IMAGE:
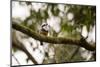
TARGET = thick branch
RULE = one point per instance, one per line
(54, 40)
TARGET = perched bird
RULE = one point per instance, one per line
(44, 29)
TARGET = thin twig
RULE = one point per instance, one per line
(16, 59)
(74, 53)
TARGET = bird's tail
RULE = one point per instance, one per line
(41, 43)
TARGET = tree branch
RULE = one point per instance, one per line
(74, 53)
(15, 59)
(22, 48)
(54, 40)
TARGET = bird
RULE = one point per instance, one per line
(44, 30)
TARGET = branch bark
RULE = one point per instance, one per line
(54, 40)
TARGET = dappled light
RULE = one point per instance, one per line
(69, 37)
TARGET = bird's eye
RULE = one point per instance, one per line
(44, 25)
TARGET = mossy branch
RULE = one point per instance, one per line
(54, 40)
